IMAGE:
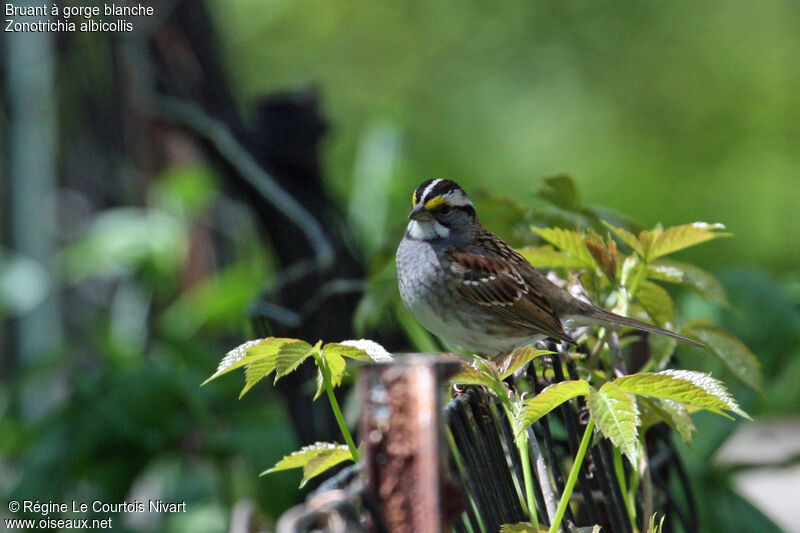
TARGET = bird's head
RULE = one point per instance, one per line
(441, 209)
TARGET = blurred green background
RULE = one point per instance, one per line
(667, 112)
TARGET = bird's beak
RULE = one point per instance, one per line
(420, 213)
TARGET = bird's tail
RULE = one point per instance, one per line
(601, 316)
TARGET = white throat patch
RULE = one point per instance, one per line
(427, 230)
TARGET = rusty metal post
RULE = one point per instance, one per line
(405, 459)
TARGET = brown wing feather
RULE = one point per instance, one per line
(494, 276)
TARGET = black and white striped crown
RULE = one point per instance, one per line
(431, 193)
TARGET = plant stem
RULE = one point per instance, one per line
(573, 476)
(647, 482)
(627, 293)
(628, 496)
(638, 278)
(337, 412)
(632, 492)
(521, 441)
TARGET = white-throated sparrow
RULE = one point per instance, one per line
(466, 285)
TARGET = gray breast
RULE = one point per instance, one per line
(419, 274)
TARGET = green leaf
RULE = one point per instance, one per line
(561, 191)
(209, 305)
(324, 461)
(515, 360)
(185, 189)
(628, 238)
(255, 371)
(684, 386)
(652, 527)
(332, 355)
(374, 175)
(320, 385)
(251, 352)
(291, 356)
(546, 256)
(379, 297)
(689, 276)
(568, 241)
(336, 366)
(673, 413)
(536, 407)
(314, 459)
(469, 375)
(656, 301)
(126, 238)
(680, 237)
(235, 359)
(730, 350)
(617, 417)
(648, 240)
(265, 359)
(362, 350)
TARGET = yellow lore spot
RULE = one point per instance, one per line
(434, 202)
(414, 198)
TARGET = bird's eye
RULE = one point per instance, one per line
(445, 209)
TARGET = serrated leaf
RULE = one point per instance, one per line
(521, 527)
(291, 356)
(684, 386)
(627, 237)
(336, 366)
(656, 301)
(546, 256)
(648, 240)
(690, 276)
(536, 407)
(323, 462)
(261, 351)
(730, 350)
(568, 241)
(469, 375)
(680, 237)
(511, 362)
(256, 371)
(361, 349)
(238, 357)
(617, 417)
(313, 459)
(302, 456)
(673, 413)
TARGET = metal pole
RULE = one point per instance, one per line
(33, 180)
(405, 456)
